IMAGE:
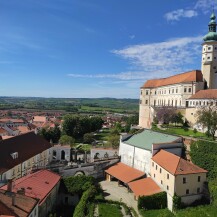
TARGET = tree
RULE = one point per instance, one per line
(67, 140)
(207, 117)
(88, 138)
(165, 115)
(176, 118)
(113, 141)
(55, 133)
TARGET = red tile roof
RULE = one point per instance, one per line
(37, 185)
(192, 76)
(144, 187)
(124, 173)
(23, 204)
(205, 94)
(27, 145)
(175, 164)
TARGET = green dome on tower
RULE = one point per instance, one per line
(211, 35)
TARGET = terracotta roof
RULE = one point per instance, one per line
(5, 120)
(192, 76)
(144, 187)
(205, 94)
(23, 129)
(27, 145)
(175, 164)
(2, 130)
(23, 204)
(124, 173)
(37, 185)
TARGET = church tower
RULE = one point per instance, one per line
(209, 55)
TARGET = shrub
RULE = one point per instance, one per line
(195, 130)
(84, 205)
(177, 203)
(155, 201)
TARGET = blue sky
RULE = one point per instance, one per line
(97, 48)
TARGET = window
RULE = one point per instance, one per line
(209, 48)
(198, 178)
(168, 176)
(187, 191)
(140, 101)
(172, 90)
(155, 92)
(141, 92)
(146, 102)
(214, 67)
(176, 90)
(167, 187)
(189, 90)
(185, 90)
(208, 58)
(160, 170)
(156, 167)
(154, 175)
(198, 190)
(161, 182)
(215, 58)
(153, 164)
(184, 180)
(146, 92)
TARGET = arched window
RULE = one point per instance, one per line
(54, 154)
(62, 155)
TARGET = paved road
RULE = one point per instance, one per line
(119, 193)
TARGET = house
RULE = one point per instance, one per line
(20, 154)
(17, 205)
(43, 186)
(60, 152)
(178, 91)
(177, 176)
(137, 150)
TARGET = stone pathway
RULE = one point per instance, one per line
(96, 211)
(118, 193)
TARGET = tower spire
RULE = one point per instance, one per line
(212, 35)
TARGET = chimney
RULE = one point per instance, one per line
(9, 185)
(21, 191)
(13, 199)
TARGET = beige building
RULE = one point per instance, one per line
(175, 91)
(20, 154)
(178, 176)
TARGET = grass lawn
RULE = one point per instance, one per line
(109, 210)
(103, 136)
(157, 212)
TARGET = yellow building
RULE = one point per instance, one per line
(178, 176)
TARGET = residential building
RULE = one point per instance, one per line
(43, 186)
(20, 154)
(178, 176)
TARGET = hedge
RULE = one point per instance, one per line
(155, 201)
(204, 154)
(81, 210)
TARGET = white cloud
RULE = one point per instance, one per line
(180, 13)
(154, 60)
(163, 58)
(205, 6)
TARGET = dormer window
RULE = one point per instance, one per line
(14, 155)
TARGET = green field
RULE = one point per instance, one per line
(74, 105)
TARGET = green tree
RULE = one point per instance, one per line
(55, 133)
(207, 117)
(88, 138)
(67, 140)
(113, 141)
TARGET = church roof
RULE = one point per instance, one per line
(205, 94)
(192, 76)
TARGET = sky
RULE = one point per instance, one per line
(97, 48)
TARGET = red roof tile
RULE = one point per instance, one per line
(175, 164)
(205, 94)
(192, 76)
(37, 185)
(23, 204)
(124, 173)
(144, 187)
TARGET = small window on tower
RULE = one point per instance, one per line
(215, 48)
(209, 48)
(215, 58)
(214, 67)
(208, 58)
